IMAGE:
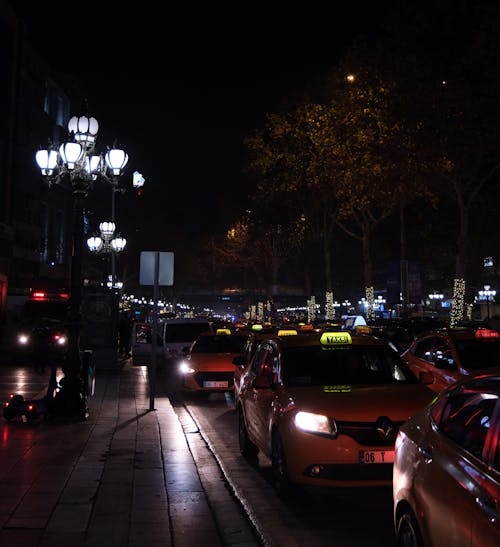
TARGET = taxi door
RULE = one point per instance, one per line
(258, 400)
(452, 462)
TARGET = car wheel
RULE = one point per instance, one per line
(282, 482)
(408, 534)
(247, 448)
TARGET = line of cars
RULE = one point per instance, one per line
(337, 407)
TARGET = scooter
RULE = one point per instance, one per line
(30, 410)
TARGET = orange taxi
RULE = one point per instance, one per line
(326, 407)
(446, 480)
(209, 365)
(449, 354)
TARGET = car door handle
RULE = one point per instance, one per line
(488, 507)
(426, 453)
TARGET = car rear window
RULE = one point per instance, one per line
(309, 366)
(34, 310)
(226, 343)
(184, 332)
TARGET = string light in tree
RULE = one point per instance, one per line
(329, 307)
(260, 311)
(311, 309)
(457, 306)
(370, 295)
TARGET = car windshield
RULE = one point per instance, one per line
(184, 332)
(313, 365)
(477, 353)
(225, 343)
(38, 310)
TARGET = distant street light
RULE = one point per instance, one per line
(107, 243)
(75, 165)
(436, 299)
(487, 295)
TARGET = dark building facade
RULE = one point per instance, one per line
(35, 220)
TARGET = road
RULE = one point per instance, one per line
(337, 518)
(346, 517)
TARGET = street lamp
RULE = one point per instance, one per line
(107, 243)
(487, 295)
(76, 164)
(436, 298)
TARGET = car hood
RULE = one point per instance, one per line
(212, 361)
(363, 403)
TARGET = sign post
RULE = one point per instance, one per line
(156, 268)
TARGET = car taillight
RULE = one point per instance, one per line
(486, 333)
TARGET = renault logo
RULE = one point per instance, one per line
(384, 427)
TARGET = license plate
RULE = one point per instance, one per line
(376, 456)
(215, 384)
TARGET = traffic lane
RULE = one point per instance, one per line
(24, 380)
(339, 517)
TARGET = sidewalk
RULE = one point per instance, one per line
(125, 477)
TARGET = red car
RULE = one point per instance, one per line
(449, 354)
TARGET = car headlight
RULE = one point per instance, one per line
(185, 368)
(315, 423)
(23, 339)
(60, 339)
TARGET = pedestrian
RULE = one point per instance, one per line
(125, 332)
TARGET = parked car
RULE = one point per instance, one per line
(400, 333)
(446, 477)
(174, 339)
(450, 353)
(209, 367)
(325, 407)
(179, 334)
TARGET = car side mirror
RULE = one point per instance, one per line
(239, 360)
(261, 382)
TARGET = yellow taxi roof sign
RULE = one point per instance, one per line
(257, 326)
(287, 332)
(335, 338)
(223, 331)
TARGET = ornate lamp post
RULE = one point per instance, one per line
(76, 164)
(107, 243)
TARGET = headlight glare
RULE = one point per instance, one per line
(315, 423)
(23, 339)
(184, 368)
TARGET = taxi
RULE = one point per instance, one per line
(243, 360)
(449, 354)
(209, 366)
(325, 407)
(446, 480)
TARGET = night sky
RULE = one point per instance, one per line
(180, 97)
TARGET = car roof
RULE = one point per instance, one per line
(313, 338)
(487, 380)
(461, 333)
